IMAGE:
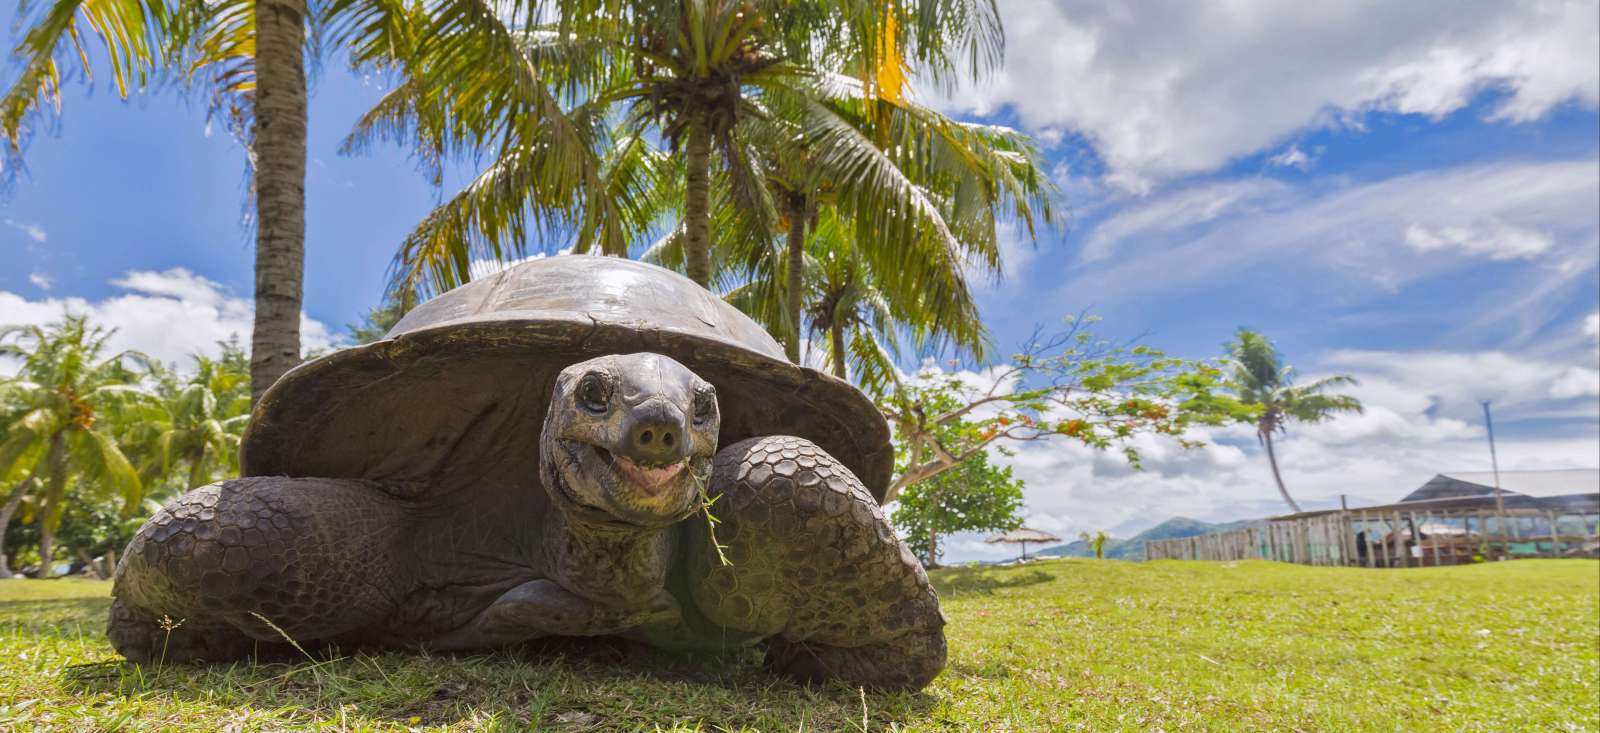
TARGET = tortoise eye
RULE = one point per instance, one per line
(594, 394)
(705, 404)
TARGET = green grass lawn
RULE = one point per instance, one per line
(1057, 645)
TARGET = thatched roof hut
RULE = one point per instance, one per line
(1023, 535)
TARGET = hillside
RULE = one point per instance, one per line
(1132, 548)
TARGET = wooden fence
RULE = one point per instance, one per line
(1388, 537)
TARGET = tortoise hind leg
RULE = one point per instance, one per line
(316, 557)
(146, 639)
(815, 566)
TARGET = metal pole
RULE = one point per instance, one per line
(1499, 498)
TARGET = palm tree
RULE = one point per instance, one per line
(7, 511)
(59, 394)
(252, 53)
(711, 78)
(278, 156)
(1262, 384)
(196, 422)
(973, 173)
(859, 314)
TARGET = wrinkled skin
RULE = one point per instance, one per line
(614, 544)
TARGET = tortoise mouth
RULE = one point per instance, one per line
(650, 480)
(626, 492)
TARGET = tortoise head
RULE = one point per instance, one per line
(629, 439)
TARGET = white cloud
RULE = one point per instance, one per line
(1179, 210)
(1293, 157)
(1496, 239)
(41, 280)
(1349, 241)
(169, 315)
(178, 284)
(34, 231)
(1591, 325)
(1165, 89)
(1450, 385)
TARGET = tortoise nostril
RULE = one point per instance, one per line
(654, 441)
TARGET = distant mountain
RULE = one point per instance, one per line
(1132, 548)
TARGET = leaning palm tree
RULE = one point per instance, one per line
(59, 394)
(1263, 386)
(15, 485)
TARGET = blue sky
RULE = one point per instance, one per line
(1405, 192)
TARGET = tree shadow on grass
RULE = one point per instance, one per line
(578, 684)
(985, 581)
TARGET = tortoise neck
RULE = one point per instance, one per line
(606, 563)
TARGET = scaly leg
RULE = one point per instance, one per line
(815, 566)
(316, 557)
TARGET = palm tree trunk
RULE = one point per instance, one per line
(836, 338)
(280, 182)
(51, 499)
(197, 474)
(13, 501)
(697, 201)
(47, 546)
(1272, 457)
(797, 263)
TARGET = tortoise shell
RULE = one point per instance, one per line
(455, 394)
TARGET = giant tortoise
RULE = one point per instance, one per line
(535, 454)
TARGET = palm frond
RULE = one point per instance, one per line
(134, 34)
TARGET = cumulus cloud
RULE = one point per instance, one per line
(41, 280)
(1164, 89)
(169, 315)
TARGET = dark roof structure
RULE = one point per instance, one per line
(1539, 484)
(1562, 490)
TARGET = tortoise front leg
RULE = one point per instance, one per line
(814, 565)
(540, 608)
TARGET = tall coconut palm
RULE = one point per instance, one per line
(1263, 385)
(278, 156)
(252, 55)
(976, 175)
(693, 73)
(857, 315)
(59, 394)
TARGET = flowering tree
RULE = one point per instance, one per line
(1069, 386)
(974, 496)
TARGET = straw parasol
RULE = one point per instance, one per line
(1023, 535)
